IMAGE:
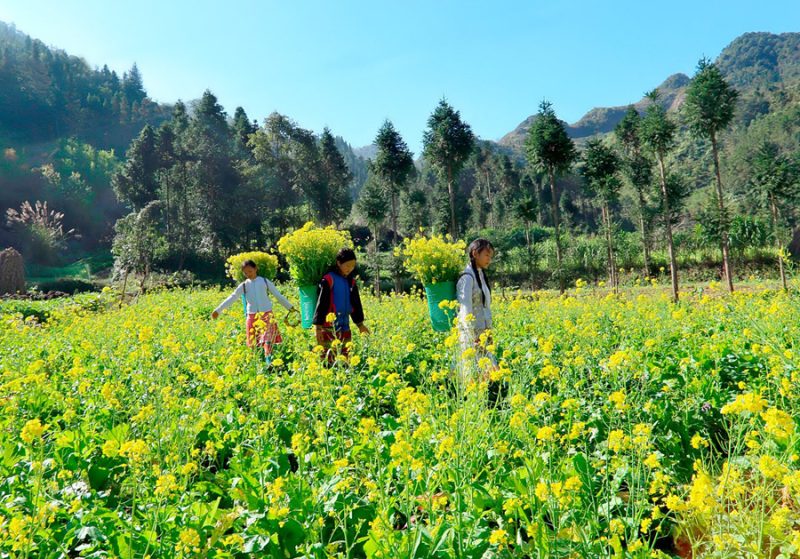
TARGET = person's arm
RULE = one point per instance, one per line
(281, 299)
(323, 303)
(229, 301)
(464, 294)
(357, 310)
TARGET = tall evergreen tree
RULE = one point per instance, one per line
(242, 127)
(393, 166)
(373, 206)
(550, 150)
(638, 169)
(776, 181)
(273, 148)
(710, 104)
(135, 183)
(448, 143)
(526, 209)
(213, 175)
(600, 172)
(484, 168)
(337, 179)
(658, 135)
(133, 86)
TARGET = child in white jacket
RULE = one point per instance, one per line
(262, 329)
(475, 310)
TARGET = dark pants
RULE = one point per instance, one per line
(326, 336)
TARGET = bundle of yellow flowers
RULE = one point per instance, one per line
(267, 265)
(436, 262)
(433, 259)
(311, 250)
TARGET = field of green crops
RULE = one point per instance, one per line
(632, 427)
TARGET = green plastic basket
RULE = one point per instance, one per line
(441, 319)
(308, 303)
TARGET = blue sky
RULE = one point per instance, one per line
(351, 64)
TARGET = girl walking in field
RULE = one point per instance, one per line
(262, 329)
(338, 301)
(475, 312)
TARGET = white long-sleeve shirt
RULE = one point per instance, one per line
(256, 292)
(471, 302)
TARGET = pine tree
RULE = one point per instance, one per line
(133, 86)
(373, 206)
(136, 182)
(448, 143)
(600, 167)
(393, 166)
(242, 128)
(337, 178)
(637, 168)
(710, 104)
(776, 181)
(550, 150)
(658, 135)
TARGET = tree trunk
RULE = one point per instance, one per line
(726, 261)
(489, 200)
(612, 271)
(142, 284)
(451, 192)
(774, 211)
(528, 243)
(124, 286)
(397, 287)
(377, 265)
(554, 200)
(537, 191)
(643, 226)
(673, 265)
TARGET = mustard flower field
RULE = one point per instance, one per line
(621, 426)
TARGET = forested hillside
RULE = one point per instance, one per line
(193, 182)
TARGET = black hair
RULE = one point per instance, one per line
(250, 263)
(344, 255)
(477, 246)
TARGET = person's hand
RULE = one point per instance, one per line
(363, 328)
(214, 314)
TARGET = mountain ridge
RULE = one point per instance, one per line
(750, 61)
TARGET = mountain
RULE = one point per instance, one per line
(751, 62)
(366, 152)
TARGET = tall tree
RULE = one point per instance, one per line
(484, 167)
(213, 176)
(135, 183)
(638, 169)
(133, 86)
(448, 143)
(775, 178)
(242, 127)
(373, 206)
(337, 179)
(393, 166)
(658, 135)
(526, 210)
(600, 172)
(550, 150)
(710, 104)
(273, 151)
(509, 184)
